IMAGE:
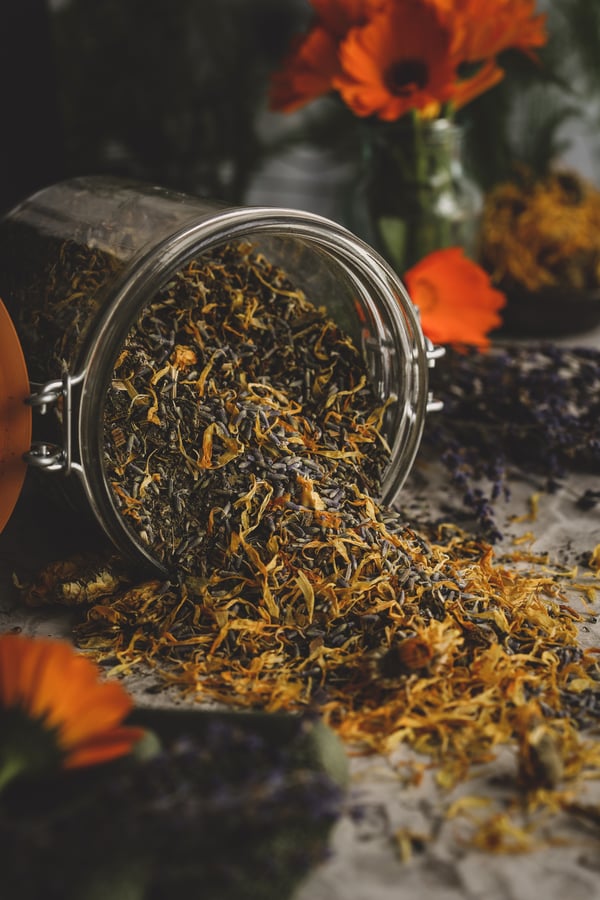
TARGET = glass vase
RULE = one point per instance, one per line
(418, 196)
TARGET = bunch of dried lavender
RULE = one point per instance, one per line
(514, 411)
(227, 805)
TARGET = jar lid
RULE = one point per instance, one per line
(15, 417)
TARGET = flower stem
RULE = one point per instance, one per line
(10, 767)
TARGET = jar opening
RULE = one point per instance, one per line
(263, 305)
(333, 344)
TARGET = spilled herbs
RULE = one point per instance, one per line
(514, 409)
(236, 405)
(243, 444)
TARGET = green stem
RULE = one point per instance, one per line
(10, 768)
(420, 246)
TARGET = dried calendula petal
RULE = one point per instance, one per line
(540, 759)
(183, 357)
(79, 580)
(594, 559)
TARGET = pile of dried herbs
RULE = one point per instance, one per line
(539, 232)
(292, 586)
(237, 404)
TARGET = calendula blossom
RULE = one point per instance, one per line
(55, 712)
(455, 298)
(312, 61)
(386, 57)
(400, 60)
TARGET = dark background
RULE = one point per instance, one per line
(167, 90)
(174, 92)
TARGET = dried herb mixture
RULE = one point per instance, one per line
(540, 232)
(293, 587)
(237, 404)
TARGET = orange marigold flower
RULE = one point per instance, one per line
(307, 72)
(455, 298)
(482, 29)
(399, 61)
(308, 69)
(54, 709)
(386, 57)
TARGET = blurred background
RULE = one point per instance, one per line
(174, 92)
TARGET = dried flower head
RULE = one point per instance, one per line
(543, 232)
(54, 711)
(455, 298)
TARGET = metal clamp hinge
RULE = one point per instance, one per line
(43, 454)
(433, 353)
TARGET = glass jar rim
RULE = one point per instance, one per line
(151, 269)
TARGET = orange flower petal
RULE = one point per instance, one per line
(307, 72)
(9, 671)
(60, 675)
(107, 704)
(103, 748)
(469, 88)
(60, 688)
(485, 30)
(35, 672)
(339, 16)
(455, 298)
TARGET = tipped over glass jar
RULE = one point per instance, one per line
(180, 350)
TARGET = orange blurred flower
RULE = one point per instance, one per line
(481, 30)
(455, 298)
(386, 57)
(398, 61)
(54, 709)
(307, 73)
(312, 62)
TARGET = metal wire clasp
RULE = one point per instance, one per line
(46, 455)
(433, 353)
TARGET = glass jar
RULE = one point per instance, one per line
(117, 244)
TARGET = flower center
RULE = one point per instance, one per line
(402, 77)
(26, 745)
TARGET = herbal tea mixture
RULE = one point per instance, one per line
(54, 289)
(243, 443)
(235, 405)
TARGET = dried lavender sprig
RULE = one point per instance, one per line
(515, 410)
